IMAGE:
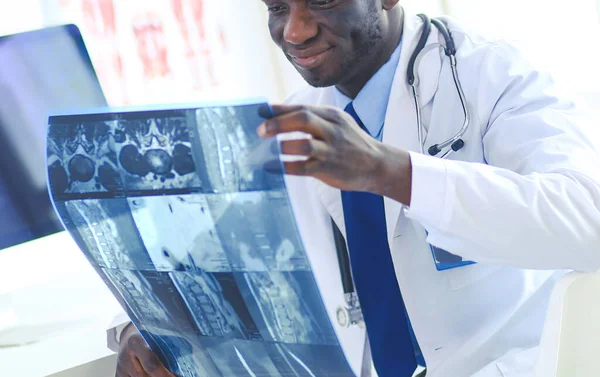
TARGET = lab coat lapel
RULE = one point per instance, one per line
(400, 128)
(330, 197)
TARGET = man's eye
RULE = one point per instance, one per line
(323, 3)
(277, 8)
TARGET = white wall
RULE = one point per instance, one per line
(561, 36)
(19, 15)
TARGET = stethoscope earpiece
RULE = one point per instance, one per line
(434, 150)
(458, 145)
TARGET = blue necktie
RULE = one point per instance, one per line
(375, 281)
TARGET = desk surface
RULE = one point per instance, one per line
(74, 348)
(104, 367)
(48, 284)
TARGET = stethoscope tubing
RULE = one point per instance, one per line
(463, 102)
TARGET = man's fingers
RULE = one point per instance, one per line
(329, 113)
(302, 168)
(302, 121)
(128, 365)
(138, 370)
(304, 147)
(139, 360)
(152, 365)
(295, 167)
(286, 109)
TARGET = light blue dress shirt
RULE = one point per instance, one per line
(371, 102)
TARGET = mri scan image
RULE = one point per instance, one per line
(242, 358)
(288, 307)
(155, 152)
(100, 155)
(182, 214)
(179, 233)
(237, 154)
(183, 354)
(106, 229)
(153, 299)
(258, 232)
(216, 304)
(82, 157)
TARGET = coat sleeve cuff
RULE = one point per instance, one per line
(113, 334)
(429, 202)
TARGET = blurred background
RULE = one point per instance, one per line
(156, 51)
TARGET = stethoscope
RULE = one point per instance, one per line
(350, 313)
(455, 143)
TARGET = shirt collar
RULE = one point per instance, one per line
(371, 102)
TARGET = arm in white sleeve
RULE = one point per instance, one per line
(536, 203)
(113, 334)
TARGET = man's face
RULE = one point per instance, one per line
(329, 42)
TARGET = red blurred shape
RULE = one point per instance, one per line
(197, 48)
(151, 44)
(99, 16)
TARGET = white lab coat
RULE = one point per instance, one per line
(522, 198)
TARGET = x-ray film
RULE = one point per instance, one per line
(178, 213)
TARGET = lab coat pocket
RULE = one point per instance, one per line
(464, 276)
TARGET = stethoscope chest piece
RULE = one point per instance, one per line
(350, 314)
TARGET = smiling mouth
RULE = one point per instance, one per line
(310, 62)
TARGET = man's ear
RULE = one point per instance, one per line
(389, 4)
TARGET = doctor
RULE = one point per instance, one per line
(521, 197)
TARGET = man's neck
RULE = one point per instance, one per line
(352, 87)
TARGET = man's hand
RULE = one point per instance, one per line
(339, 153)
(136, 359)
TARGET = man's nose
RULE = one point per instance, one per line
(300, 27)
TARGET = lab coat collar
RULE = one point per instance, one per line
(371, 102)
